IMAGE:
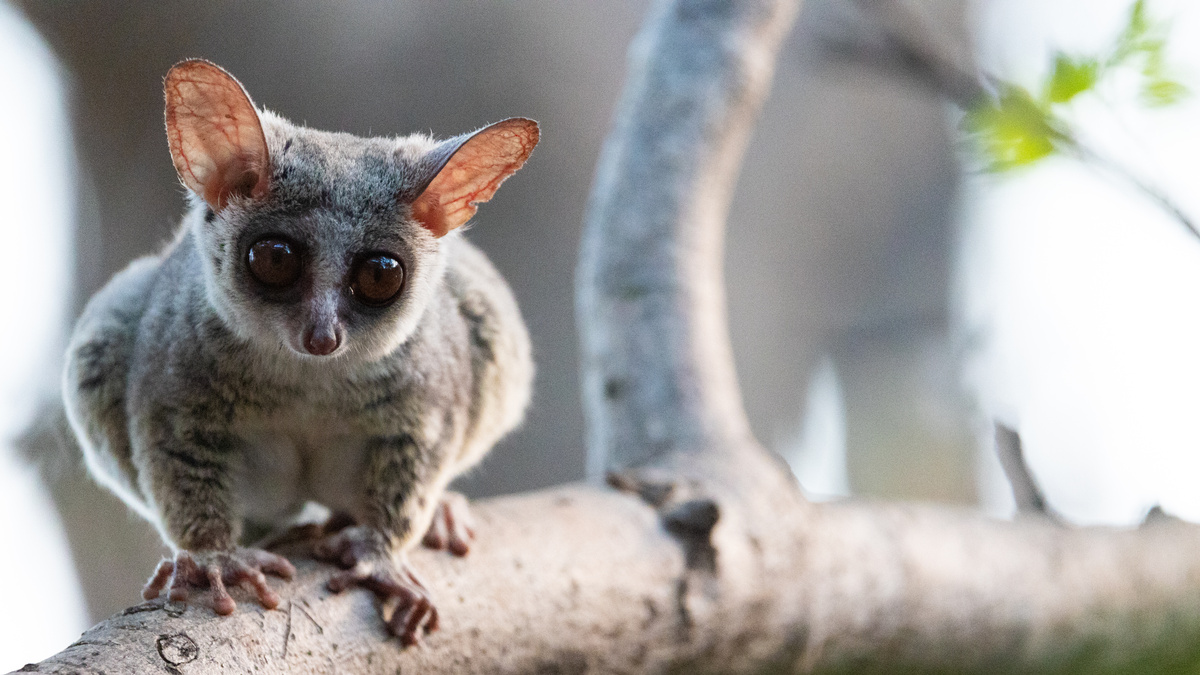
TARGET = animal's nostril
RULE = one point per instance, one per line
(322, 341)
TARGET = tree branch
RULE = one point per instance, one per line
(657, 364)
(1026, 493)
(579, 579)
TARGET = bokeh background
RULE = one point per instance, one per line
(888, 303)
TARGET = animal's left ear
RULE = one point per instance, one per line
(474, 167)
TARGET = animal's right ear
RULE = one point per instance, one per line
(216, 137)
(468, 170)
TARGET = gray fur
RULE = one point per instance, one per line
(195, 404)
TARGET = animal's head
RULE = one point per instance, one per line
(320, 243)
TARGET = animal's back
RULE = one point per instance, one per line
(501, 354)
(97, 371)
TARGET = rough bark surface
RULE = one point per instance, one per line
(580, 579)
(703, 556)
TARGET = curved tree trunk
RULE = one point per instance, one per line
(705, 558)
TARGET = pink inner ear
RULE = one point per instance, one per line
(474, 174)
(215, 136)
(427, 210)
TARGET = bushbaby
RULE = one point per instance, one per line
(317, 331)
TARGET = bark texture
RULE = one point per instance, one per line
(657, 365)
(580, 579)
(702, 556)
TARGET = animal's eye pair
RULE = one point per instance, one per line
(375, 279)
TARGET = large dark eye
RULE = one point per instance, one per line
(274, 262)
(377, 279)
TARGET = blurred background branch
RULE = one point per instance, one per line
(1026, 493)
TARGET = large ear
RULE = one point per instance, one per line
(215, 135)
(475, 166)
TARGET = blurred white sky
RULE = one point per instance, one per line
(1083, 295)
(44, 605)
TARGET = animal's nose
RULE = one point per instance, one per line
(322, 340)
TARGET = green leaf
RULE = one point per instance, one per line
(1070, 78)
(1135, 37)
(1011, 131)
(1161, 92)
(1138, 24)
(1154, 52)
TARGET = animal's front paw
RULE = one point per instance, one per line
(216, 570)
(452, 527)
(368, 562)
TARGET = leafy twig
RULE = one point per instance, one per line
(1011, 126)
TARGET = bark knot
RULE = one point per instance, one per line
(692, 523)
(177, 649)
(688, 518)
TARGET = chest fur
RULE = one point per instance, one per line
(319, 453)
(294, 456)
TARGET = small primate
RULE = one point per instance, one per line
(318, 331)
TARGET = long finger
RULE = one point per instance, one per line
(438, 535)
(460, 533)
(186, 574)
(434, 623)
(275, 564)
(267, 596)
(406, 622)
(223, 604)
(158, 581)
